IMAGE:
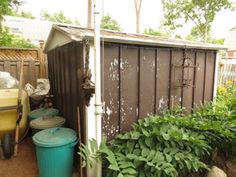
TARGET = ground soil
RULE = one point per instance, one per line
(221, 162)
(227, 166)
(24, 164)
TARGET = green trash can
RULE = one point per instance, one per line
(55, 150)
(43, 112)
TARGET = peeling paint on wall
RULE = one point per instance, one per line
(163, 103)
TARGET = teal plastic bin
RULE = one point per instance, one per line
(43, 112)
(43, 123)
(55, 151)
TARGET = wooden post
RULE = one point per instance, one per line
(79, 136)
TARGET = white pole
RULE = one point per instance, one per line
(97, 68)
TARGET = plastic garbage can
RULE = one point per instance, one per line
(43, 112)
(46, 122)
(54, 151)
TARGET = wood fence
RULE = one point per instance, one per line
(34, 67)
(227, 71)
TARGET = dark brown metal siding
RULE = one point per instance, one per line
(209, 78)
(147, 82)
(65, 69)
(162, 78)
(188, 91)
(111, 120)
(176, 74)
(140, 81)
(129, 86)
(199, 90)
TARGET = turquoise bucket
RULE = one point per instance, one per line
(43, 112)
(55, 151)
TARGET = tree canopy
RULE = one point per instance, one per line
(6, 7)
(9, 40)
(57, 17)
(109, 23)
(151, 31)
(21, 14)
(200, 12)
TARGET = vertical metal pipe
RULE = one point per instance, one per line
(97, 69)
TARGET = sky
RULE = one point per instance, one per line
(123, 11)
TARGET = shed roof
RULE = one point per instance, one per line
(62, 34)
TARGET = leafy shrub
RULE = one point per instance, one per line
(172, 144)
(10, 40)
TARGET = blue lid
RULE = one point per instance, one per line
(42, 112)
(54, 137)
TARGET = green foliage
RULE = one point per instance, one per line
(195, 35)
(216, 41)
(109, 23)
(21, 14)
(10, 40)
(172, 144)
(152, 32)
(6, 7)
(57, 17)
(200, 12)
(161, 31)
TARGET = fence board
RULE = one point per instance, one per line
(30, 70)
(227, 71)
(10, 61)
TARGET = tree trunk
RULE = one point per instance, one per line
(90, 14)
(138, 4)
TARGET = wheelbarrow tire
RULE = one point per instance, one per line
(7, 146)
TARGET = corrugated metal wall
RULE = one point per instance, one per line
(65, 68)
(140, 81)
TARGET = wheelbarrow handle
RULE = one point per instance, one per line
(19, 117)
(7, 108)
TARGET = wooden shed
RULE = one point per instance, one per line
(141, 75)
